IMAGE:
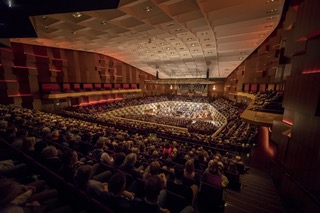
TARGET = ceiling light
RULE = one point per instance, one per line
(178, 30)
(255, 43)
(240, 58)
(271, 17)
(77, 15)
(189, 39)
(161, 43)
(168, 48)
(272, 10)
(103, 22)
(172, 53)
(261, 35)
(193, 45)
(44, 17)
(140, 47)
(170, 24)
(74, 33)
(147, 9)
(46, 27)
(147, 51)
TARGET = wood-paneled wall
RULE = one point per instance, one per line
(23, 67)
(291, 56)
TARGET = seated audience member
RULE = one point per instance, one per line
(179, 188)
(70, 165)
(99, 150)
(3, 128)
(28, 146)
(17, 198)
(168, 165)
(128, 165)
(8, 168)
(51, 159)
(190, 176)
(118, 160)
(213, 175)
(152, 169)
(21, 135)
(99, 154)
(189, 170)
(152, 188)
(84, 182)
(117, 197)
(167, 149)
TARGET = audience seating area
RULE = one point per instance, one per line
(62, 148)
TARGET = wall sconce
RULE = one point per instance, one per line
(214, 87)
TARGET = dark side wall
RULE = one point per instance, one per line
(290, 60)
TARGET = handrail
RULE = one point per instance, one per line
(295, 181)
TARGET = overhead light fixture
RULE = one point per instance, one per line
(44, 17)
(147, 51)
(189, 39)
(103, 22)
(77, 15)
(214, 87)
(240, 58)
(178, 30)
(272, 10)
(168, 48)
(147, 9)
(10, 3)
(193, 45)
(74, 33)
(271, 17)
(140, 47)
(171, 86)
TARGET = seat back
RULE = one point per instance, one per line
(210, 198)
(175, 202)
(234, 180)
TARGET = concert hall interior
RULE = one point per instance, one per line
(159, 106)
